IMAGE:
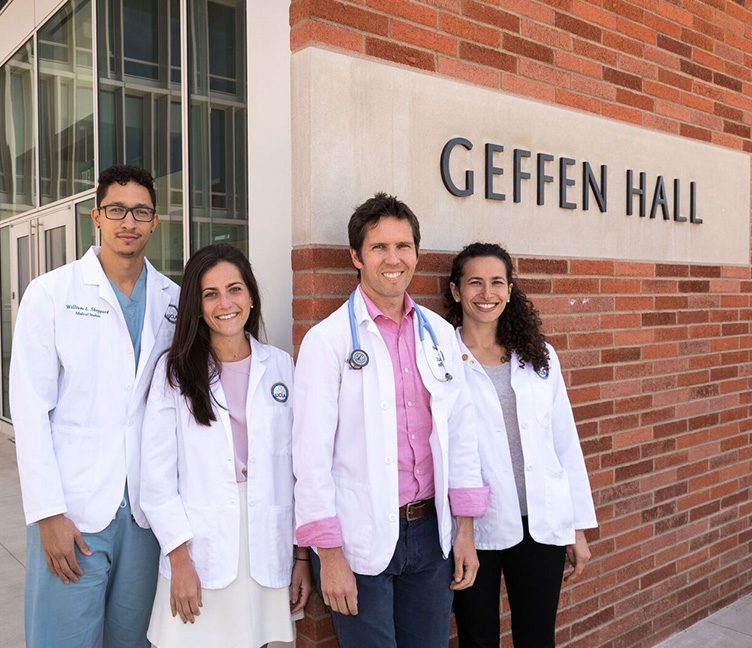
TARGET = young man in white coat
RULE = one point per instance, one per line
(87, 338)
(384, 449)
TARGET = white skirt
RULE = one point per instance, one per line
(242, 615)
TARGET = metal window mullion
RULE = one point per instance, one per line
(35, 117)
(95, 86)
(184, 112)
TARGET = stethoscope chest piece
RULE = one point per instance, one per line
(358, 359)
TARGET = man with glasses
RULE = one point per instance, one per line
(384, 449)
(87, 338)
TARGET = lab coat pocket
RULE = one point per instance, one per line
(278, 429)
(354, 509)
(559, 509)
(203, 547)
(78, 451)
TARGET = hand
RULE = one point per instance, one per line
(466, 562)
(59, 538)
(338, 586)
(302, 581)
(578, 555)
(185, 586)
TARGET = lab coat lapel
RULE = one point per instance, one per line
(157, 301)
(259, 356)
(221, 409)
(93, 274)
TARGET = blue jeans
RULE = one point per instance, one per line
(110, 605)
(409, 603)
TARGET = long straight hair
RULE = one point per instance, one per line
(192, 365)
(519, 326)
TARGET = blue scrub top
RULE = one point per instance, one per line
(134, 309)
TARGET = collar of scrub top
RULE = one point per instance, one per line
(434, 355)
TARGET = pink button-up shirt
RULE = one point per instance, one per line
(414, 425)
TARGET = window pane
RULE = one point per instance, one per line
(217, 123)
(66, 116)
(140, 110)
(17, 168)
(5, 333)
(141, 38)
(54, 248)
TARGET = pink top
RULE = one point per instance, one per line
(234, 379)
(414, 425)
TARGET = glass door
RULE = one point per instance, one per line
(37, 245)
(28, 248)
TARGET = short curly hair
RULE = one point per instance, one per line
(519, 326)
(123, 174)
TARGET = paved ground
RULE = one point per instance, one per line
(728, 628)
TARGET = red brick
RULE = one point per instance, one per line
(424, 38)
(623, 44)
(578, 27)
(406, 9)
(487, 56)
(312, 31)
(349, 15)
(527, 48)
(400, 54)
(635, 100)
(672, 45)
(469, 30)
(622, 8)
(622, 78)
(491, 16)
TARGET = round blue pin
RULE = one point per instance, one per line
(543, 373)
(280, 392)
(171, 314)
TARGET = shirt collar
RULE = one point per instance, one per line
(374, 311)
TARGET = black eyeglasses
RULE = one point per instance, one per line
(118, 212)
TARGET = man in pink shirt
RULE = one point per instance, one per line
(384, 449)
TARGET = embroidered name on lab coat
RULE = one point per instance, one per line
(87, 311)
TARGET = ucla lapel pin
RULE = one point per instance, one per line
(280, 392)
(171, 314)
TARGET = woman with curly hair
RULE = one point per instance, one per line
(530, 456)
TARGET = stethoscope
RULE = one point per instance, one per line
(434, 356)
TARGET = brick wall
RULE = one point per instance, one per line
(683, 67)
(657, 357)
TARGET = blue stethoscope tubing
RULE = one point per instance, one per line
(359, 358)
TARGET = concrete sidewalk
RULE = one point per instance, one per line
(728, 628)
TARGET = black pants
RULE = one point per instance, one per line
(532, 574)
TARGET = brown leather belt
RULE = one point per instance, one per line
(416, 510)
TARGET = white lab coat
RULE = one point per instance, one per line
(558, 491)
(345, 435)
(77, 397)
(188, 484)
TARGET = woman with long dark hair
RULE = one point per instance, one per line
(216, 472)
(540, 500)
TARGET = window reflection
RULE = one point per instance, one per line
(140, 108)
(17, 168)
(217, 118)
(66, 103)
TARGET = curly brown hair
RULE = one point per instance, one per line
(519, 327)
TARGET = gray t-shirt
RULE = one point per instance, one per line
(501, 377)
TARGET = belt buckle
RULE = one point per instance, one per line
(413, 505)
